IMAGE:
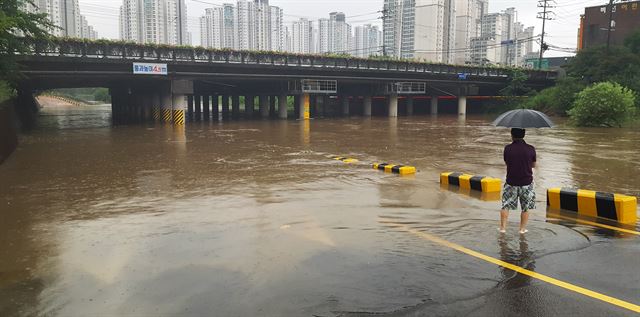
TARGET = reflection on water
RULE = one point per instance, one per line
(251, 218)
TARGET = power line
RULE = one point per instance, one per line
(544, 15)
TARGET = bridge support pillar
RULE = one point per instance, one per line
(392, 108)
(272, 106)
(249, 105)
(282, 106)
(303, 106)
(235, 106)
(367, 106)
(215, 107)
(180, 103)
(205, 107)
(190, 107)
(345, 105)
(462, 106)
(197, 104)
(166, 111)
(225, 106)
(434, 105)
(263, 101)
(409, 105)
(156, 100)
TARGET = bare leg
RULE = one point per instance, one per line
(524, 218)
(504, 216)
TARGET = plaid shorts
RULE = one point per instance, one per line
(512, 194)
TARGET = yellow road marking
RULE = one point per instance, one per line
(591, 223)
(521, 270)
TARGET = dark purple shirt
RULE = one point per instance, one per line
(519, 157)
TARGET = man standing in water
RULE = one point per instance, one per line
(520, 158)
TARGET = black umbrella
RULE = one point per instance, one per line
(523, 118)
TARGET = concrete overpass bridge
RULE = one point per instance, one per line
(148, 81)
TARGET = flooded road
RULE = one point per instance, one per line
(251, 218)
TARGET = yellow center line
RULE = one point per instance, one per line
(591, 223)
(521, 270)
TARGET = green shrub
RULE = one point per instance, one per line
(603, 104)
(557, 99)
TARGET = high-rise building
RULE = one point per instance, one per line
(502, 40)
(334, 34)
(420, 29)
(154, 21)
(302, 36)
(65, 14)
(245, 25)
(468, 21)
(367, 41)
(217, 27)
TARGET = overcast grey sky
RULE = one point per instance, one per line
(103, 15)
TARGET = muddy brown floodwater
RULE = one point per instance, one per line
(246, 218)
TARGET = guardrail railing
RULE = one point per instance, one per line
(140, 52)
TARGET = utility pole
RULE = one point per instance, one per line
(610, 24)
(544, 15)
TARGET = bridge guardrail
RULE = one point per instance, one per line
(71, 48)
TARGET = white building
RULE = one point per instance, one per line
(217, 27)
(65, 14)
(468, 21)
(244, 25)
(302, 37)
(154, 21)
(367, 41)
(334, 35)
(420, 29)
(502, 40)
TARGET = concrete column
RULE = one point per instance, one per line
(225, 105)
(282, 106)
(197, 104)
(156, 100)
(264, 106)
(367, 106)
(215, 107)
(303, 106)
(272, 106)
(190, 106)
(249, 105)
(235, 106)
(434, 105)
(166, 108)
(205, 107)
(409, 106)
(345, 105)
(462, 106)
(392, 108)
(180, 104)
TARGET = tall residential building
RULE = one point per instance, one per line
(367, 41)
(502, 40)
(468, 21)
(154, 21)
(217, 27)
(65, 14)
(334, 34)
(244, 25)
(420, 29)
(302, 36)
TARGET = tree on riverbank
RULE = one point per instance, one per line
(14, 24)
(604, 104)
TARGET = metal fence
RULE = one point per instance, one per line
(144, 53)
